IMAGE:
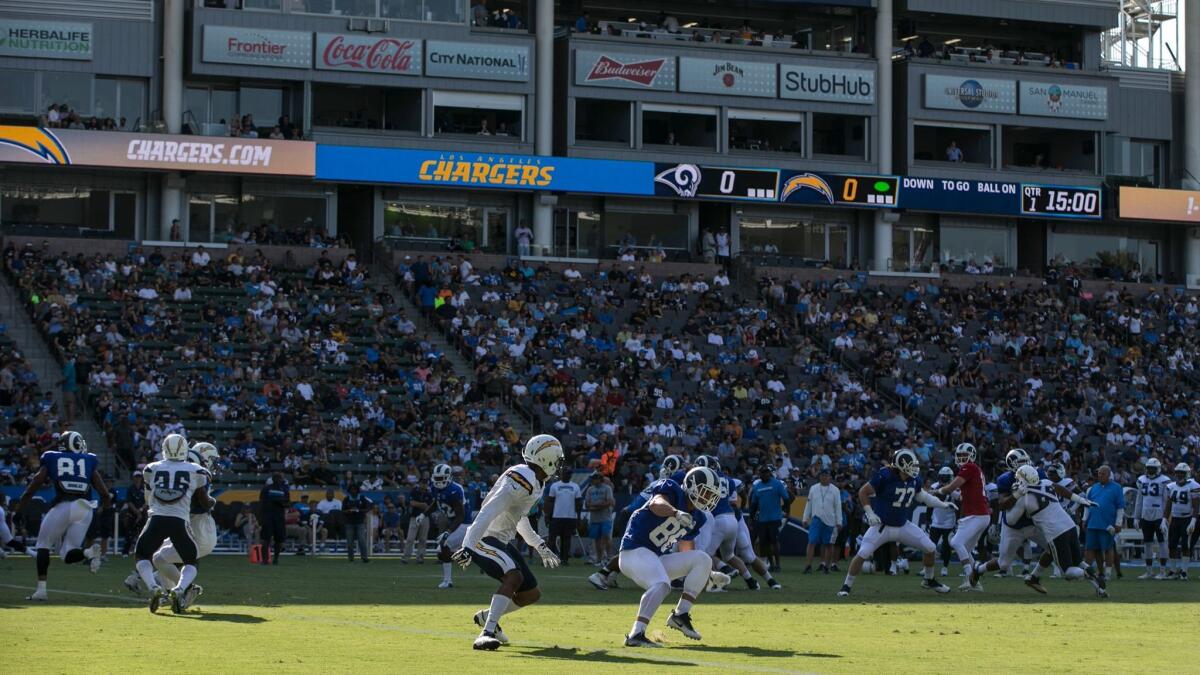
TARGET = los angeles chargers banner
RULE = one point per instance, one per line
(483, 170)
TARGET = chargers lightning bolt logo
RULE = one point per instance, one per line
(37, 141)
(807, 181)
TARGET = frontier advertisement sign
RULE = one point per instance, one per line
(46, 39)
(1180, 206)
(625, 71)
(812, 83)
(1055, 99)
(726, 77)
(257, 47)
(477, 61)
(65, 147)
(974, 94)
(364, 54)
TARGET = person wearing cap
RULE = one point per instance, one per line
(822, 517)
(768, 504)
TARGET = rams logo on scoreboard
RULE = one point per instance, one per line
(807, 181)
(684, 179)
(37, 141)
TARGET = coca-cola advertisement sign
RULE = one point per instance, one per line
(392, 55)
(629, 71)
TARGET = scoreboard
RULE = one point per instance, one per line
(1060, 201)
(775, 185)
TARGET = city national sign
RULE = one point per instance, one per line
(477, 60)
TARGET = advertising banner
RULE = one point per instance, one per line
(477, 61)
(627, 71)
(365, 54)
(1182, 206)
(1056, 99)
(730, 78)
(813, 83)
(46, 39)
(118, 150)
(483, 170)
(257, 47)
(970, 93)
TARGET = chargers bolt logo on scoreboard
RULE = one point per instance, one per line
(807, 181)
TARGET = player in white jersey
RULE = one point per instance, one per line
(943, 521)
(173, 485)
(1036, 498)
(488, 542)
(1148, 515)
(1184, 497)
(204, 533)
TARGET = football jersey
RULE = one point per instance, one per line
(1068, 484)
(895, 496)
(974, 495)
(1151, 496)
(1043, 506)
(1181, 498)
(506, 506)
(70, 473)
(729, 486)
(447, 497)
(943, 519)
(654, 532)
(170, 486)
(1004, 487)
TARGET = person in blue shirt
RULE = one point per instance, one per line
(1104, 520)
(451, 499)
(768, 499)
(73, 472)
(888, 502)
(672, 518)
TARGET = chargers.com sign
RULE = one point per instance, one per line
(483, 170)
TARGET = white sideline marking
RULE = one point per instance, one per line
(85, 594)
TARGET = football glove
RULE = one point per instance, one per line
(872, 519)
(462, 557)
(1082, 501)
(549, 559)
(1020, 488)
(1191, 526)
(685, 519)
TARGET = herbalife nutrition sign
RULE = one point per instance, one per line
(46, 39)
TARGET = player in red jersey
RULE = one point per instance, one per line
(974, 514)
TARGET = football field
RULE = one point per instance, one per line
(327, 615)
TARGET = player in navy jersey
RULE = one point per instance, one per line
(673, 517)
(72, 471)
(888, 502)
(451, 499)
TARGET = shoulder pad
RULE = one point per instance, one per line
(523, 476)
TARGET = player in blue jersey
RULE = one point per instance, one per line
(72, 471)
(719, 537)
(888, 501)
(672, 518)
(451, 499)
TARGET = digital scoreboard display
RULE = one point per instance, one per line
(775, 185)
(1061, 201)
(737, 183)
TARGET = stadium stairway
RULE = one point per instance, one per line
(24, 333)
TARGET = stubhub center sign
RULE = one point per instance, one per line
(812, 83)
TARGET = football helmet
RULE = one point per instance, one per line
(175, 448)
(945, 474)
(71, 441)
(708, 462)
(964, 454)
(205, 454)
(670, 464)
(1017, 457)
(545, 452)
(1028, 475)
(906, 462)
(1153, 467)
(1056, 471)
(1182, 472)
(441, 476)
(702, 487)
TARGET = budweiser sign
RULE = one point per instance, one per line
(395, 56)
(642, 73)
(629, 71)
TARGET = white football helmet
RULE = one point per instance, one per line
(702, 487)
(545, 452)
(964, 454)
(707, 462)
(946, 474)
(670, 464)
(1182, 472)
(1153, 467)
(1028, 475)
(205, 454)
(1017, 457)
(175, 448)
(442, 476)
(1057, 471)
(71, 441)
(906, 462)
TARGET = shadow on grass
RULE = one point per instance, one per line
(598, 656)
(760, 652)
(218, 616)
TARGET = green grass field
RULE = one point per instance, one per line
(327, 615)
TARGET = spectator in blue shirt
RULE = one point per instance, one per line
(1104, 519)
(768, 500)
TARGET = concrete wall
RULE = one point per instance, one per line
(302, 255)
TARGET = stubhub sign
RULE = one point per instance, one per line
(811, 83)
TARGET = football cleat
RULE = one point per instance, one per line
(446, 584)
(1147, 574)
(440, 542)
(176, 599)
(640, 640)
(683, 624)
(481, 620)
(611, 580)
(38, 596)
(752, 584)
(134, 583)
(945, 572)
(189, 596)
(775, 585)
(1098, 583)
(486, 641)
(807, 569)
(1160, 576)
(967, 586)
(973, 577)
(1183, 575)
(597, 579)
(845, 592)
(94, 559)
(156, 597)
(1000, 575)
(1032, 581)
(933, 585)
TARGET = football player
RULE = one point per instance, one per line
(204, 532)
(7, 540)
(173, 486)
(1184, 496)
(942, 521)
(451, 499)
(1034, 496)
(1148, 515)
(673, 516)
(488, 541)
(888, 502)
(974, 512)
(719, 538)
(73, 473)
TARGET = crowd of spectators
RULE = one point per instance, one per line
(63, 116)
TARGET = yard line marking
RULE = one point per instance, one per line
(82, 593)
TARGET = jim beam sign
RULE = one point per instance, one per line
(624, 71)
